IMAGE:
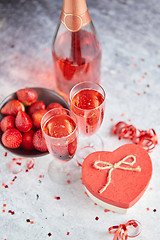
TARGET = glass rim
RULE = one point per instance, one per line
(65, 137)
(87, 110)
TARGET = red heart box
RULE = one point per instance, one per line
(126, 187)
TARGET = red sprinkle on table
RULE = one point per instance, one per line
(5, 154)
(68, 181)
(154, 210)
(96, 218)
(87, 194)
(68, 233)
(106, 210)
(41, 176)
(49, 234)
(4, 205)
(11, 212)
(147, 209)
(57, 198)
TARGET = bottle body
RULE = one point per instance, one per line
(76, 57)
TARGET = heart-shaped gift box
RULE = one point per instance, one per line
(117, 180)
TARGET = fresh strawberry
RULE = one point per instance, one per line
(27, 140)
(23, 121)
(7, 122)
(39, 141)
(38, 105)
(59, 111)
(12, 108)
(37, 116)
(12, 138)
(27, 96)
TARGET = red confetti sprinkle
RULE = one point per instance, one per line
(96, 218)
(68, 174)
(5, 154)
(18, 163)
(49, 234)
(106, 210)
(68, 233)
(40, 176)
(4, 185)
(138, 94)
(79, 164)
(150, 188)
(3, 210)
(31, 222)
(122, 114)
(95, 204)
(27, 220)
(25, 163)
(147, 209)
(4, 205)
(68, 181)
(113, 212)
(147, 139)
(154, 210)
(57, 198)
(135, 65)
(11, 212)
(87, 194)
(111, 119)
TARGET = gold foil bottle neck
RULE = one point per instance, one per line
(75, 14)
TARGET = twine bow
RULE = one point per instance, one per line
(111, 167)
(121, 231)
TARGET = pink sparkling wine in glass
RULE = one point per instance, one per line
(86, 106)
(62, 143)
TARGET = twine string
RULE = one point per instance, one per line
(111, 167)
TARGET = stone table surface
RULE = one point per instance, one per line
(129, 34)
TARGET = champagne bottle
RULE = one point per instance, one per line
(76, 50)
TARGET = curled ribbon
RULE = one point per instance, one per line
(111, 167)
(121, 231)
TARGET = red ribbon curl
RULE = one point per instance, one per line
(121, 231)
(147, 139)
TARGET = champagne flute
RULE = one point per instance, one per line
(87, 102)
(60, 132)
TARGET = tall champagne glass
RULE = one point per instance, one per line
(87, 102)
(60, 132)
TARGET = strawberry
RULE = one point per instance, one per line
(39, 141)
(23, 121)
(27, 96)
(59, 111)
(27, 140)
(7, 122)
(37, 116)
(12, 108)
(38, 105)
(12, 138)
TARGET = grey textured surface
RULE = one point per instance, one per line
(129, 34)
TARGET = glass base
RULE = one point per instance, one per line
(63, 172)
(88, 145)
